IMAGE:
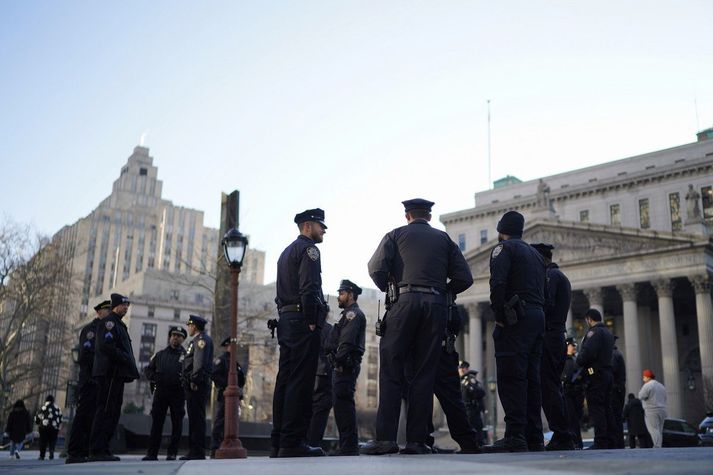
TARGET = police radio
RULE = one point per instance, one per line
(380, 324)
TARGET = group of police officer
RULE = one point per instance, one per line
(178, 377)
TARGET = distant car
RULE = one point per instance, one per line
(705, 430)
(679, 433)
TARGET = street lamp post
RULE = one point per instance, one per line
(234, 246)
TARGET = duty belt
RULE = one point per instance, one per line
(295, 307)
(422, 290)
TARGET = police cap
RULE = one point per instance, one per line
(316, 215)
(464, 364)
(102, 305)
(198, 321)
(417, 203)
(118, 299)
(178, 331)
(570, 341)
(511, 223)
(544, 249)
(349, 286)
(225, 342)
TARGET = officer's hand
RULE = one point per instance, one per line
(312, 327)
(194, 387)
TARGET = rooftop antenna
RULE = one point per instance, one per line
(490, 180)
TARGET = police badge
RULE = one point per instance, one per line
(496, 251)
(216, 361)
(313, 253)
(90, 335)
(201, 344)
(350, 315)
(109, 325)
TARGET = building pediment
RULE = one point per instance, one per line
(576, 243)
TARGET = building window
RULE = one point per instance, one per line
(615, 215)
(174, 294)
(146, 350)
(461, 242)
(674, 202)
(149, 329)
(584, 216)
(644, 219)
(151, 311)
(707, 196)
(176, 314)
(483, 236)
(143, 171)
(199, 298)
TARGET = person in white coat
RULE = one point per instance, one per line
(653, 397)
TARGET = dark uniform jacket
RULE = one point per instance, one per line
(219, 376)
(114, 356)
(418, 255)
(86, 350)
(516, 268)
(596, 348)
(471, 391)
(572, 385)
(323, 366)
(618, 370)
(347, 341)
(198, 362)
(299, 280)
(559, 296)
(164, 369)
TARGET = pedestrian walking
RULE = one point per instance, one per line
(653, 398)
(48, 420)
(19, 424)
(635, 422)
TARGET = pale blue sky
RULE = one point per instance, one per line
(351, 106)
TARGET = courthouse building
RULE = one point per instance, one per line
(633, 236)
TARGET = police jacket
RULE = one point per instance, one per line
(164, 369)
(114, 356)
(471, 391)
(299, 280)
(86, 351)
(221, 366)
(323, 366)
(559, 296)
(418, 255)
(596, 348)
(572, 385)
(516, 268)
(198, 362)
(346, 342)
(618, 370)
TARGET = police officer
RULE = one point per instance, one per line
(164, 373)
(197, 368)
(302, 310)
(554, 351)
(221, 368)
(573, 384)
(322, 395)
(344, 349)
(594, 358)
(114, 365)
(425, 264)
(472, 393)
(617, 397)
(517, 297)
(78, 446)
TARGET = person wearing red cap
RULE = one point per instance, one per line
(653, 397)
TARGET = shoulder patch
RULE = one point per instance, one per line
(590, 333)
(496, 251)
(313, 253)
(216, 361)
(350, 315)
(201, 344)
(109, 325)
(90, 335)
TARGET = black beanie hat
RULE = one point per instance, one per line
(511, 224)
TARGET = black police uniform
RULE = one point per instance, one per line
(473, 393)
(322, 395)
(595, 357)
(345, 348)
(618, 396)
(420, 260)
(197, 368)
(573, 385)
(516, 268)
(164, 372)
(554, 352)
(221, 367)
(300, 303)
(78, 446)
(114, 365)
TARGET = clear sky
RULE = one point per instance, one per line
(351, 106)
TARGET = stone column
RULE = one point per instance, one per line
(475, 337)
(704, 313)
(596, 299)
(631, 332)
(669, 348)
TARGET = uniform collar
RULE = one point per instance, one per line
(351, 307)
(552, 265)
(305, 238)
(419, 221)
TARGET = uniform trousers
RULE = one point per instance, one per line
(292, 399)
(598, 394)
(617, 406)
(321, 405)
(554, 355)
(654, 419)
(162, 401)
(78, 445)
(447, 390)
(195, 406)
(218, 422)
(414, 331)
(574, 399)
(518, 352)
(344, 387)
(110, 395)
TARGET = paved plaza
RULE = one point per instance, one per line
(688, 461)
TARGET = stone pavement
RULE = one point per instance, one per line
(688, 461)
